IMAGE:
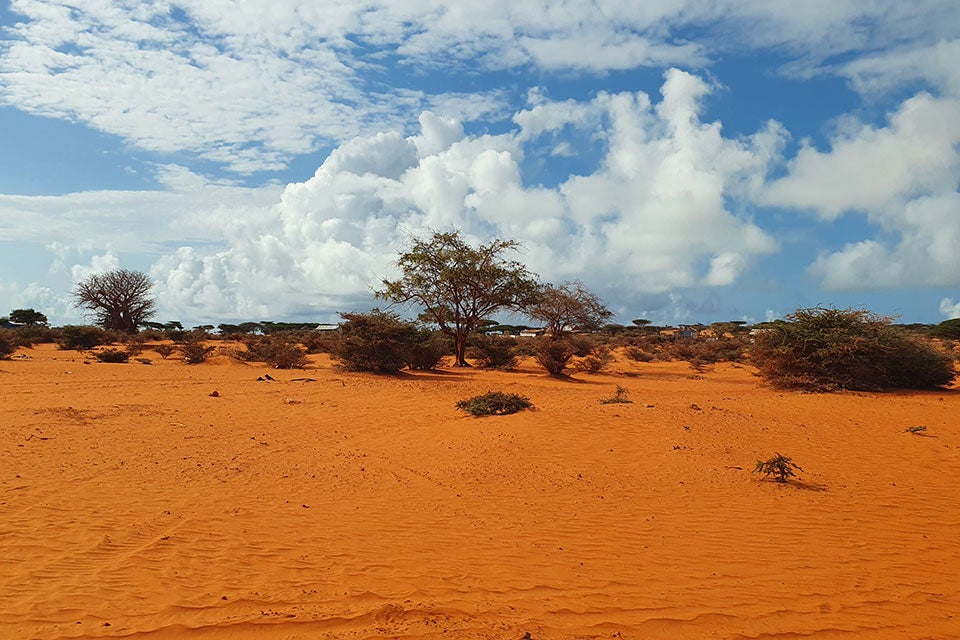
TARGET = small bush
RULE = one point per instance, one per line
(289, 356)
(37, 334)
(554, 354)
(195, 352)
(164, 350)
(494, 403)
(112, 355)
(639, 354)
(596, 361)
(779, 466)
(319, 341)
(85, 337)
(824, 349)
(493, 352)
(619, 397)
(8, 343)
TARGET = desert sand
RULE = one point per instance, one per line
(133, 503)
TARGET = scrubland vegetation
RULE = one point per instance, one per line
(457, 288)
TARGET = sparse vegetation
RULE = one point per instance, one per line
(619, 397)
(826, 349)
(112, 355)
(494, 403)
(917, 430)
(779, 466)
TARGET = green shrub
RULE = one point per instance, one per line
(948, 329)
(378, 341)
(779, 466)
(494, 403)
(428, 349)
(825, 349)
(195, 352)
(554, 354)
(289, 356)
(493, 352)
(85, 337)
(8, 343)
(113, 355)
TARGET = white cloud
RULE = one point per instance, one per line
(904, 177)
(653, 217)
(934, 64)
(949, 308)
(251, 85)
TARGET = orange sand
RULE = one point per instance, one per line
(132, 503)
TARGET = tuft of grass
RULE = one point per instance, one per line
(619, 397)
(494, 403)
(779, 466)
(917, 430)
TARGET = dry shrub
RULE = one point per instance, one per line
(279, 352)
(599, 358)
(493, 352)
(113, 355)
(319, 341)
(164, 350)
(195, 352)
(639, 354)
(8, 343)
(823, 349)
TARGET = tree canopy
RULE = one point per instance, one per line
(27, 316)
(118, 299)
(459, 285)
(568, 307)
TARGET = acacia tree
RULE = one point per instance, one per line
(118, 299)
(567, 307)
(459, 285)
(28, 317)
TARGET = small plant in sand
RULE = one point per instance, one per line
(195, 352)
(779, 466)
(619, 397)
(917, 430)
(113, 355)
(495, 403)
(164, 350)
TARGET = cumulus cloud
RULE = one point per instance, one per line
(904, 178)
(666, 208)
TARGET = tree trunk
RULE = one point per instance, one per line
(460, 347)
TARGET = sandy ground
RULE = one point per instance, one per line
(135, 504)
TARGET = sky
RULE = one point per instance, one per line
(687, 160)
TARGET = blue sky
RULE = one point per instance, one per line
(687, 160)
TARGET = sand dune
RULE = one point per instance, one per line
(135, 504)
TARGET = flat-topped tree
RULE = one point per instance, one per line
(119, 299)
(459, 285)
(29, 317)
